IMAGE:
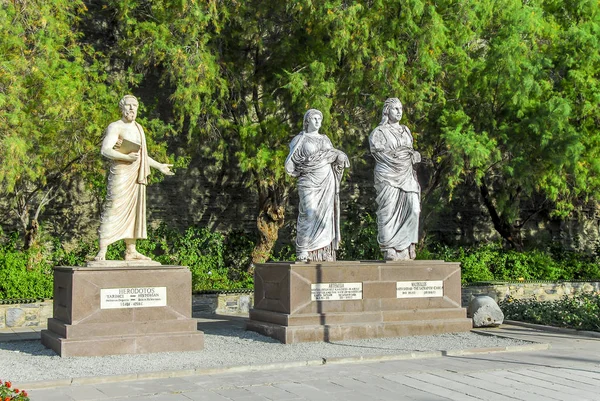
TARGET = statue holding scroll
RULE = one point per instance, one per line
(124, 212)
(319, 168)
(398, 191)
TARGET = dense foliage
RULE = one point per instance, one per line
(501, 95)
(220, 260)
(54, 99)
(24, 273)
(216, 260)
(581, 312)
(490, 262)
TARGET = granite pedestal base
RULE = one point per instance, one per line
(122, 310)
(334, 301)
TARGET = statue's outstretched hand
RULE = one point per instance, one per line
(416, 157)
(165, 169)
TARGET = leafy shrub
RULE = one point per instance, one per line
(580, 312)
(492, 262)
(221, 260)
(238, 253)
(577, 265)
(216, 260)
(359, 235)
(287, 253)
(20, 277)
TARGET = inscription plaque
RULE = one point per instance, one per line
(135, 297)
(419, 289)
(335, 291)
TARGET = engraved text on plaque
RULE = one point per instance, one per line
(335, 291)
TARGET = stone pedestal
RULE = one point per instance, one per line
(122, 310)
(334, 301)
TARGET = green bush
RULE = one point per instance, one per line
(491, 262)
(221, 260)
(204, 252)
(216, 260)
(24, 274)
(359, 235)
(580, 312)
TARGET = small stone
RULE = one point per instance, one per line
(244, 303)
(15, 317)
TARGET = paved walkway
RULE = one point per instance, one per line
(20, 333)
(568, 370)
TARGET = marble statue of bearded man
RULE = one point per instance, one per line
(319, 168)
(398, 191)
(124, 212)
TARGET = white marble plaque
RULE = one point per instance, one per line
(335, 291)
(419, 289)
(135, 297)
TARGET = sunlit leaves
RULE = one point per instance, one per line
(53, 101)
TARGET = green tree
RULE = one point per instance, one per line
(54, 102)
(58, 92)
(339, 57)
(500, 95)
(520, 121)
(248, 70)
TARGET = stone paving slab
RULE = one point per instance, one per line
(20, 333)
(489, 386)
(351, 384)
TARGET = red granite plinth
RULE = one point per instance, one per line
(82, 326)
(284, 309)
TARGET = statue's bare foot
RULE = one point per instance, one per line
(135, 255)
(99, 257)
(392, 254)
(302, 256)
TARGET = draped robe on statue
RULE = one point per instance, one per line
(313, 160)
(398, 190)
(124, 214)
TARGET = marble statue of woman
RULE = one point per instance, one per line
(398, 191)
(124, 213)
(319, 168)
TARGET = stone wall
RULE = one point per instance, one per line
(25, 314)
(222, 303)
(37, 313)
(539, 290)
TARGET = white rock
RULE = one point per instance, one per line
(485, 312)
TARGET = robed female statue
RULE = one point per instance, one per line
(319, 168)
(398, 191)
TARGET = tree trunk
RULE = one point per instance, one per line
(31, 234)
(271, 217)
(506, 230)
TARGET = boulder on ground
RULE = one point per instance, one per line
(485, 312)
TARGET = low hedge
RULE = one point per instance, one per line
(216, 260)
(581, 312)
(219, 261)
(491, 262)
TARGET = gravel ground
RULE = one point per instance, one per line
(226, 344)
